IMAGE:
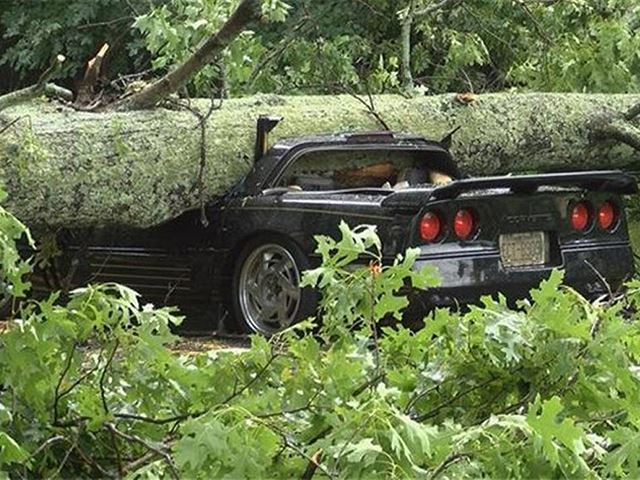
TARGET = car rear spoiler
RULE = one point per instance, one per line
(613, 181)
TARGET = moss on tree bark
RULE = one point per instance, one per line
(63, 167)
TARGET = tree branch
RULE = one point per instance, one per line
(10, 124)
(103, 376)
(433, 412)
(104, 24)
(138, 463)
(633, 112)
(303, 408)
(405, 39)
(405, 35)
(159, 451)
(202, 126)
(312, 466)
(621, 131)
(160, 421)
(57, 393)
(116, 448)
(450, 460)
(248, 385)
(287, 443)
(42, 86)
(68, 390)
(51, 90)
(91, 75)
(358, 391)
(246, 13)
(370, 106)
(47, 444)
(536, 24)
(88, 460)
(74, 445)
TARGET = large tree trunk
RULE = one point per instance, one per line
(63, 167)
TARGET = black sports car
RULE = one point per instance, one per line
(485, 235)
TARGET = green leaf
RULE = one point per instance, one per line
(624, 459)
(364, 452)
(552, 433)
(10, 451)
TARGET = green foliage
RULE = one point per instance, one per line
(34, 32)
(13, 271)
(91, 387)
(474, 45)
(582, 46)
(544, 46)
(338, 45)
(361, 298)
(173, 30)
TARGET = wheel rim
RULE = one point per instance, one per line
(269, 289)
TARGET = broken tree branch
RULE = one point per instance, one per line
(312, 466)
(52, 90)
(246, 13)
(91, 75)
(42, 86)
(536, 23)
(371, 107)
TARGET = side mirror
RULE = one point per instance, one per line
(266, 123)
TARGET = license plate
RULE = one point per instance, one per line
(524, 249)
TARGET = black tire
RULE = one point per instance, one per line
(263, 301)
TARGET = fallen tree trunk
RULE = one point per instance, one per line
(63, 167)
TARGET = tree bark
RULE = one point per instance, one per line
(63, 167)
(405, 41)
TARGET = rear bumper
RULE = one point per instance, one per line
(467, 277)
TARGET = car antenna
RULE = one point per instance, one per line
(446, 141)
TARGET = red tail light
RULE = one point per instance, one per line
(606, 216)
(580, 216)
(464, 224)
(430, 227)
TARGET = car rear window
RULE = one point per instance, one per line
(338, 170)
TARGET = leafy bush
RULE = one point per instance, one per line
(92, 387)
